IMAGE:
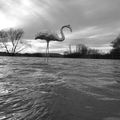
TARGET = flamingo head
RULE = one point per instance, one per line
(68, 26)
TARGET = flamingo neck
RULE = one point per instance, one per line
(62, 34)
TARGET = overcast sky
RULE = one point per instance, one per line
(95, 23)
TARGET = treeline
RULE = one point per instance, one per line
(83, 51)
(30, 54)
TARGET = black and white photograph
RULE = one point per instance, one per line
(59, 59)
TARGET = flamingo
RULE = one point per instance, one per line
(48, 36)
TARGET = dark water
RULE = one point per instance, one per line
(63, 89)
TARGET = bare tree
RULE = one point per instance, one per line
(4, 40)
(13, 37)
(82, 49)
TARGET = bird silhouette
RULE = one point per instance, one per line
(49, 36)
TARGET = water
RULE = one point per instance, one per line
(63, 89)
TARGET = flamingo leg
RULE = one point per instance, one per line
(46, 53)
(47, 50)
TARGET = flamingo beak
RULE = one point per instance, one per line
(70, 28)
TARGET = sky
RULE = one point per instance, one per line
(95, 23)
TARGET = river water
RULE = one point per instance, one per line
(63, 89)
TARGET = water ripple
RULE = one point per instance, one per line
(73, 89)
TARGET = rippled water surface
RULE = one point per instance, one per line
(63, 89)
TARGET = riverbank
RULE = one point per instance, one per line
(57, 55)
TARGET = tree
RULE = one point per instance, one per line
(10, 40)
(93, 52)
(115, 52)
(82, 49)
(116, 43)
